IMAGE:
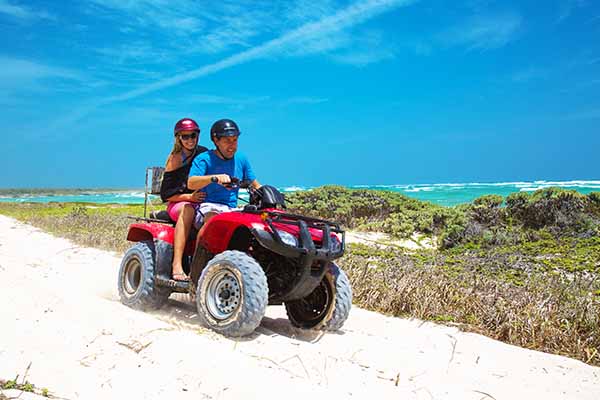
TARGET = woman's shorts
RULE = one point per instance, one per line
(174, 208)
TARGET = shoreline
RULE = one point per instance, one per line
(444, 194)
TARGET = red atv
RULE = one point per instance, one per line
(241, 262)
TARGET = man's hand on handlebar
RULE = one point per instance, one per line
(231, 182)
(221, 179)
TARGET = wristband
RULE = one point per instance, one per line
(214, 179)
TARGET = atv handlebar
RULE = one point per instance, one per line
(238, 183)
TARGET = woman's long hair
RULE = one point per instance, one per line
(177, 146)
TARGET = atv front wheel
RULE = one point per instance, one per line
(137, 288)
(327, 307)
(232, 294)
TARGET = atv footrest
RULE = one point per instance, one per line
(176, 286)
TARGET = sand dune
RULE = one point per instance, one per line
(61, 315)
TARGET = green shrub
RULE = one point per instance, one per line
(392, 213)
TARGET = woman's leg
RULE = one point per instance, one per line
(182, 231)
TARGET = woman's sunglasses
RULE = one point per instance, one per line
(188, 137)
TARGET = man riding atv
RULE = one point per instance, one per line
(212, 171)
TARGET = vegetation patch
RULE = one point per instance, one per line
(522, 269)
(102, 226)
(23, 386)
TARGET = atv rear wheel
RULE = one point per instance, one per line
(232, 294)
(137, 288)
(327, 307)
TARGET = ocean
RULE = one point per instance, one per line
(446, 194)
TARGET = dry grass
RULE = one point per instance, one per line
(548, 311)
(104, 227)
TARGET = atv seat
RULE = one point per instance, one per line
(161, 215)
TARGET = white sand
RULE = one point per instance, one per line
(60, 312)
(383, 240)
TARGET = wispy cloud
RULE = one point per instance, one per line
(484, 32)
(22, 73)
(188, 26)
(135, 52)
(368, 48)
(212, 99)
(529, 74)
(173, 16)
(22, 12)
(358, 48)
(349, 17)
(305, 100)
(219, 27)
(567, 7)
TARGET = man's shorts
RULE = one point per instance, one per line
(203, 208)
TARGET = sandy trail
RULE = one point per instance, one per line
(60, 312)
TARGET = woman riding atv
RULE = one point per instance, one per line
(174, 190)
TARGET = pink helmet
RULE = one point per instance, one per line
(186, 124)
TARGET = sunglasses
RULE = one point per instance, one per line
(188, 137)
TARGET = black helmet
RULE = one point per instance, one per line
(224, 127)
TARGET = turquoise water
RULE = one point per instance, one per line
(447, 194)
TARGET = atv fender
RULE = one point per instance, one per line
(144, 231)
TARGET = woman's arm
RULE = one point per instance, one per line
(195, 197)
(173, 162)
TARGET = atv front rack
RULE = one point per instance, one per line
(306, 245)
(313, 259)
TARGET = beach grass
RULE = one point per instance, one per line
(523, 269)
(103, 226)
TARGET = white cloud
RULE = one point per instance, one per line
(305, 100)
(22, 12)
(484, 32)
(213, 99)
(353, 15)
(529, 74)
(339, 21)
(189, 27)
(567, 7)
(18, 72)
(135, 52)
(368, 48)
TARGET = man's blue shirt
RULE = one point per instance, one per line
(208, 163)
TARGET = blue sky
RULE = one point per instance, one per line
(345, 92)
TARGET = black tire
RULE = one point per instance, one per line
(327, 307)
(137, 288)
(232, 294)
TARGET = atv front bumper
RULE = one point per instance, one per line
(312, 258)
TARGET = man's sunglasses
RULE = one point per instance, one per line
(188, 137)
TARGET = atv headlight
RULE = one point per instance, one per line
(287, 238)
